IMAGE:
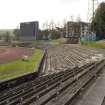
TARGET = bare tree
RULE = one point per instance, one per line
(71, 18)
(52, 25)
(78, 18)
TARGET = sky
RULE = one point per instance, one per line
(13, 12)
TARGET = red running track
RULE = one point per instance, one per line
(11, 54)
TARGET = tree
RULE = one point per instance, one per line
(44, 34)
(17, 34)
(7, 37)
(55, 34)
(98, 22)
(78, 18)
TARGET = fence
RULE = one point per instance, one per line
(89, 37)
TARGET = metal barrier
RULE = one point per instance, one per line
(41, 63)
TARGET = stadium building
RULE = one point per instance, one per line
(29, 31)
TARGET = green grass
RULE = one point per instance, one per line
(59, 41)
(19, 67)
(92, 44)
(37, 42)
(54, 41)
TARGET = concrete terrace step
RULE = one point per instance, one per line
(95, 95)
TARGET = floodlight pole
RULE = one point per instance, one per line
(93, 8)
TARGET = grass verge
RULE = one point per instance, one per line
(59, 41)
(19, 67)
(92, 44)
(54, 41)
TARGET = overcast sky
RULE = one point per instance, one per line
(12, 12)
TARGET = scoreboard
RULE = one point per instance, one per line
(29, 30)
